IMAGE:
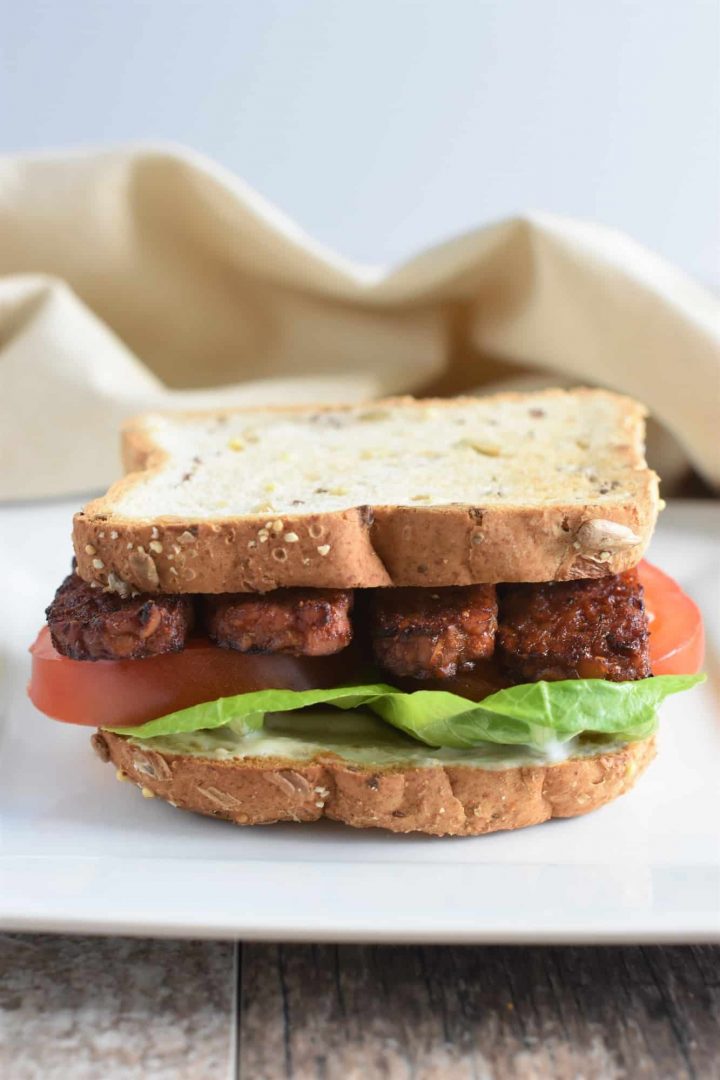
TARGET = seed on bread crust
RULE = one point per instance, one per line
(100, 747)
(605, 536)
(144, 569)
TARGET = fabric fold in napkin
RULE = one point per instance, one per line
(151, 278)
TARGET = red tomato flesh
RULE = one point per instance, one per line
(119, 693)
(677, 634)
(115, 693)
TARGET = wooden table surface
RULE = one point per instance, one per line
(106, 1008)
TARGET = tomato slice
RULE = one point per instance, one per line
(115, 693)
(677, 635)
(119, 693)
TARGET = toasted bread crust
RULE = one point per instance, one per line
(356, 549)
(365, 546)
(457, 800)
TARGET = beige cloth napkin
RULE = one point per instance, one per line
(150, 277)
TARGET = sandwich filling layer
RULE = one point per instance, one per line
(516, 676)
(361, 739)
(539, 670)
(594, 628)
(379, 725)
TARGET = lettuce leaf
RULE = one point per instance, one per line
(534, 714)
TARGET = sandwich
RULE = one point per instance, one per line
(421, 615)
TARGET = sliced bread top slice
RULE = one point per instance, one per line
(511, 487)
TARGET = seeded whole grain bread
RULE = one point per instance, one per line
(449, 800)
(512, 487)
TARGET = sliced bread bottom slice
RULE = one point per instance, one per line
(449, 800)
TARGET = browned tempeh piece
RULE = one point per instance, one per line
(433, 633)
(575, 630)
(302, 622)
(89, 624)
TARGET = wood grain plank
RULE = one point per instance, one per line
(337, 1013)
(111, 1008)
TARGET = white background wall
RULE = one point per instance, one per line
(381, 125)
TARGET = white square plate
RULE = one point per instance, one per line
(80, 852)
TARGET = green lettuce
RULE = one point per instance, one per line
(534, 714)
